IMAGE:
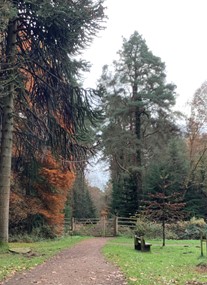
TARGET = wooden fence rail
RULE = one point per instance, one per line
(101, 226)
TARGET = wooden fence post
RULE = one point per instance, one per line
(116, 225)
(72, 225)
(104, 226)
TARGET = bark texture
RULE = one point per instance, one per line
(7, 134)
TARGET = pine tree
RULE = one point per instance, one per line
(137, 100)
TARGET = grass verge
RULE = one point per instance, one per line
(176, 263)
(10, 263)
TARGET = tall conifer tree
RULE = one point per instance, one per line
(38, 41)
(137, 98)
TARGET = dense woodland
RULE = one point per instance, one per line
(51, 126)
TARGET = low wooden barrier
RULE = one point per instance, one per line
(105, 226)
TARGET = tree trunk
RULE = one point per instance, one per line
(138, 151)
(163, 232)
(7, 135)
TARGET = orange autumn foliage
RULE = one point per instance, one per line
(22, 206)
(50, 198)
(18, 209)
(54, 192)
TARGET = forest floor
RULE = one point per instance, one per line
(83, 264)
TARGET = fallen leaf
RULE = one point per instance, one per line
(132, 279)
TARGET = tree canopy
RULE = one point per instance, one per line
(49, 106)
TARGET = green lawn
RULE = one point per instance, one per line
(11, 262)
(176, 263)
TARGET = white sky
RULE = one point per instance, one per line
(174, 30)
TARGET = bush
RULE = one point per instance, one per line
(195, 228)
(39, 233)
(126, 231)
(152, 230)
(189, 229)
(148, 229)
(180, 230)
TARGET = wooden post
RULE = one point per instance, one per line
(72, 225)
(201, 238)
(104, 214)
(206, 244)
(104, 226)
(116, 225)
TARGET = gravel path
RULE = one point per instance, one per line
(83, 264)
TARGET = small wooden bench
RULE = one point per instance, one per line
(140, 244)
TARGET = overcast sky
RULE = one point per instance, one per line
(174, 30)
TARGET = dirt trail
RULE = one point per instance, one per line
(83, 264)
